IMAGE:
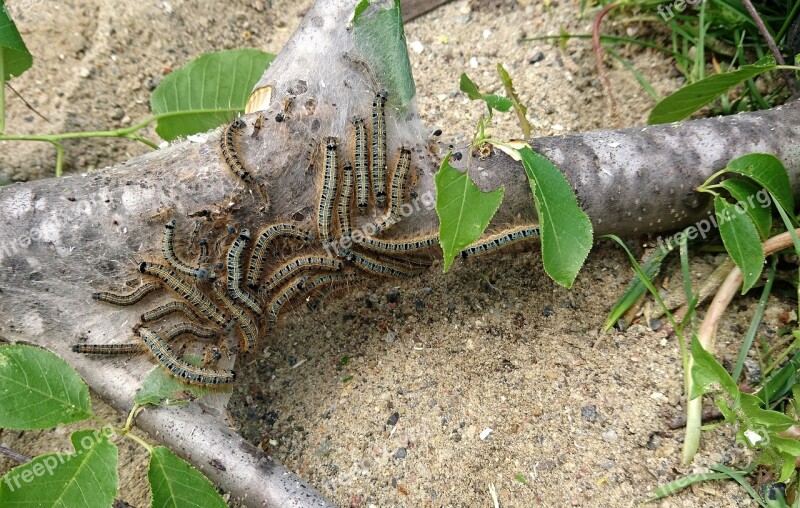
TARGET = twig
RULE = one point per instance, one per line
(598, 55)
(27, 104)
(771, 43)
(15, 456)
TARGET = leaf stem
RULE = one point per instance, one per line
(2, 95)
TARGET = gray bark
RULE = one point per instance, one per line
(64, 238)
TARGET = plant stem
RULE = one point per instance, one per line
(598, 54)
(770, 42)
(707, 333)
(751, 332)
(2, 95)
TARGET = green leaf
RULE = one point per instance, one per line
(14, 55)
(745, 193)
(175, 483)
(690, 98)
(637, 286)
(464, 210)
(566, 229)
(769, 172)
(678, 484)
(492, 101)
(160, 388)
(520, 108)
(381, 42)
(467, 86)
(761, 419)
(38, 390)
(741, 240)
(88, 478)
(781, 382)
(207, 92)
(707, 372)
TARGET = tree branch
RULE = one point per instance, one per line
(64, 238)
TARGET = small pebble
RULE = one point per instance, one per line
(589, 413)
(393, 419)
(654, 324)
(400, 453)
(547, 311)
(417, 47)
(393, 295)
(485, 433)
(609, 436)
(537, 57)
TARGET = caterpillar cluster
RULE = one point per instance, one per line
(252, 295)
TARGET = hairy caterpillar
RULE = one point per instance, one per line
(379, 146)
(360, 159)
(329, 186)
(257, 259)
(501, 240)
(236, 273)
(129, 299)
(178, 367)
(201, 302)
(296, 264)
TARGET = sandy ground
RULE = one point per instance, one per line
(437, 391)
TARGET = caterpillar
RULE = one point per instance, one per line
(185, 327)
(258, 257)
(375, 266)
(297, 264)
(108, 349)
(236, 273)
(329, 283)
(329, 186)
(228, 145)
(362, 172)
(345, 197)
(129, 299)
(190, 294)
(169, 308)
(179, 368)
(284, 296)
(243, 320)
(398, 246)
(168, 250)
(379, 146)
(501, 240)
(398, 189)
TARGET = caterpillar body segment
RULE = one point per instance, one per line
(242, 319)
(179, 368)
(376, 266)
(345, 198)
(228, 145)
(500, 240)
(379, 146)
(236, 273)
(168, 251)
(286, 294)
(398, 246)
(197, 299)
(259, 256)
(399, 180)
(108, 349)
(129, 299)
(167, 309)
(297, 264)
(360, 159)
(327, 198)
